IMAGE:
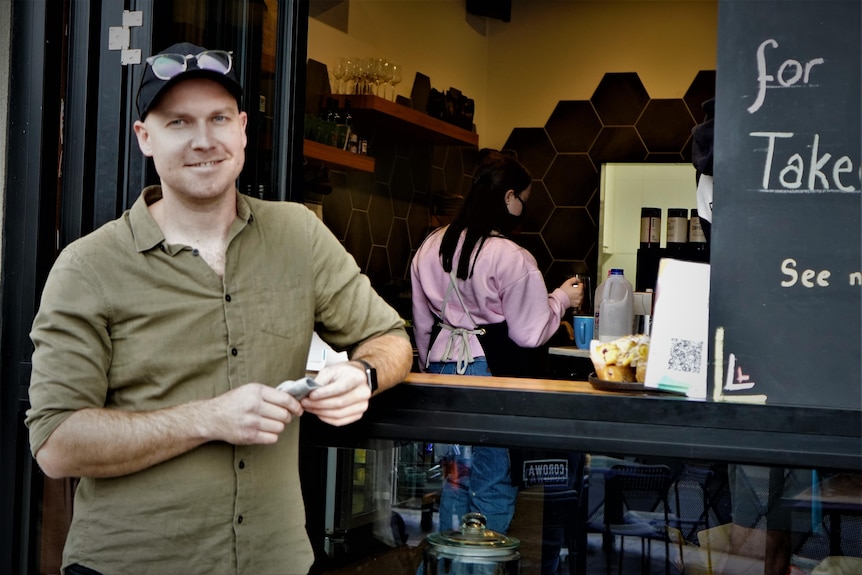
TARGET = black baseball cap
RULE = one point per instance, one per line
(180, 62)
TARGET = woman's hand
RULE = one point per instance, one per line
(574, 288)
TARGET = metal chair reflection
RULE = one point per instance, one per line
(691, 502)
(636, 505)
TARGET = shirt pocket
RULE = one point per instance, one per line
(285, 309)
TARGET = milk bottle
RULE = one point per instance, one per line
(614, 307)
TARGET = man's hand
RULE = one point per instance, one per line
(345, 392)
(252, 414)
(343, 395)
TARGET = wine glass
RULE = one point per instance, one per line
(385, 73)
(373, 75)
(339, 72)
(361, 75)
(370, 75)
(349, 75)
(395, 79)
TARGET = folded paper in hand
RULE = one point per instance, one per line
(298, 388)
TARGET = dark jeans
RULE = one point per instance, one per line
(76, 569)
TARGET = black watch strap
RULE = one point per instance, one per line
(370, 374)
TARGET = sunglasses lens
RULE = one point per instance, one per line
(167, 66)
(214, 61)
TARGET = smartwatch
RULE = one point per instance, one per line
(370, 374)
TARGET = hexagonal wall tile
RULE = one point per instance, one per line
(378, 270)
(360, 185)
(538, 208)
(571, 179)
(418, 220)
(420, 165)
(618, 144)
(665, 125)
(358, 240)
(336, 212)
(384, 154)
(399, 248)
(573, 126)
(702, 89)
(619, 98)
(401, 186)
(380, 215)
(569, 233)
(534, 149)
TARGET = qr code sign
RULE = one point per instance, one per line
(685, 355)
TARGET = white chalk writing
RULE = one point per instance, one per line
(811, 278)
(792, 176)
(789, 73)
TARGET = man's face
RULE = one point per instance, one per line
(196, 137)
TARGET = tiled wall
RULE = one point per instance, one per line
(382, 218)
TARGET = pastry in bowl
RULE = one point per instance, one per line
(623, 359)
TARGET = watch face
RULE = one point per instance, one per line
(370, 374)
(372, 378)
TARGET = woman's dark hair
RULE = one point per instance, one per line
(484, 209)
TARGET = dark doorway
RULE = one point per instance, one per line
(73, 164)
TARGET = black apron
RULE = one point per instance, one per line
(505, 357)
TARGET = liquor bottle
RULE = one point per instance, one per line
(348, 117)
(334, 119)
(346, 127)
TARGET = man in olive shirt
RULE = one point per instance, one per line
(160, 339)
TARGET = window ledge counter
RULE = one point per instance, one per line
(572, 416)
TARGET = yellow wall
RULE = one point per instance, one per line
(551, 50)
(430, 36)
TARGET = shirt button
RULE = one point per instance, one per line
(227, 298)
(195, 252)
(242, 464)
(239, 519)
(234, 352)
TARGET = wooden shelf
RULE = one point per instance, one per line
(371, 111)
(332, 157)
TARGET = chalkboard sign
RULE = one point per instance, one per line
(786, 276)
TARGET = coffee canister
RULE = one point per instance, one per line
(471, 550)
(677, 232)
(650, 228)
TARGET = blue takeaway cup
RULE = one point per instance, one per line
(583, 328)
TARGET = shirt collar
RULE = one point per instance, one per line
(146, 231)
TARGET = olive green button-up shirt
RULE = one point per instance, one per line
(130, 323)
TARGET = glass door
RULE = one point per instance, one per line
(248, 28)
(104, 175)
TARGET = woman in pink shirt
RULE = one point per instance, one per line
(471, 282)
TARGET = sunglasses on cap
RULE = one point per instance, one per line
(167, 66)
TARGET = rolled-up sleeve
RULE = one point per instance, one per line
(72, 349)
